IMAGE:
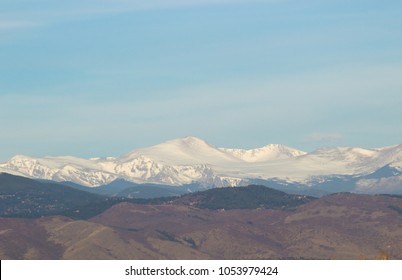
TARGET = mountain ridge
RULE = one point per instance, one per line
(28, 198)
(191, 160)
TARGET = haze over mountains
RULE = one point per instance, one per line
(191, 160)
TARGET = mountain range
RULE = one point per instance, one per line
(192, 161)
(173, 201)
(255, 222)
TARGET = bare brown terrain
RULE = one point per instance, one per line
(340, 226)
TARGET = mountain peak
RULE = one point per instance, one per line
(283, 149)
(188, 141)
(268, 152)
(20, 157)
(188, 150)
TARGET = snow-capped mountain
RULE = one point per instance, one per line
(188, 160)
(269, 152)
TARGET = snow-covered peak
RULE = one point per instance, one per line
(344, 153)
(20, 157)
(266, 153)
(187, 145)
(187, 150)
(188, 141)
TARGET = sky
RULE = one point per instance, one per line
(95, 78)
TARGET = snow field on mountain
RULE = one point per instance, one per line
(190, 159)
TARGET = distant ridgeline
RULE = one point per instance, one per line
(251, 197)
(27, 198)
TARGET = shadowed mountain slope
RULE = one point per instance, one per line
(27, 198)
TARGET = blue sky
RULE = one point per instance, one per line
(100, 78)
